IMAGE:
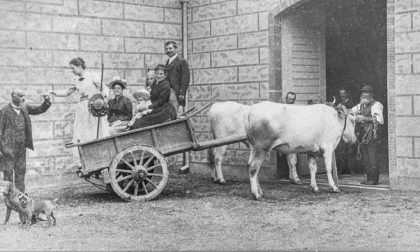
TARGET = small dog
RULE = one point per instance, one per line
(44, 208)
(19, 202)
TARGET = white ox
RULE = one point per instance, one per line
(295, 129)
(227, 119)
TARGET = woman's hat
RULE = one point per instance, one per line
(141, 93)
(97, 105)
(117, 81)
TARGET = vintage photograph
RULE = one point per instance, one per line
(210, 125)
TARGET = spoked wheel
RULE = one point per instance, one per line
(138, 173)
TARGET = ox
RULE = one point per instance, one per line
(295, 129)
(227, 119)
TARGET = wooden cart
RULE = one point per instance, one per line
(133, 163)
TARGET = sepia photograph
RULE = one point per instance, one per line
(210, 125)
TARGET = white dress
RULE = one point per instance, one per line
(86, 125)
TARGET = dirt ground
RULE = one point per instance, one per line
(195, 214)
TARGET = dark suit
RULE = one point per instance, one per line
(15, 137)
(179, 76)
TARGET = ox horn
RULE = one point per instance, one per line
(331, 103)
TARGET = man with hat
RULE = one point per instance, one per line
(368, 115)
(16, 136)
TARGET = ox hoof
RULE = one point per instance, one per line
(315, 190)
(296, 181)
(220, 182)
(334, 190)
(258, 197)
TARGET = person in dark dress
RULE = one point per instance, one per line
(162, 110)
(120, 108)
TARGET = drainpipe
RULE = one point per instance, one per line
(186, 156)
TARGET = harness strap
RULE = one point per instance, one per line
(367, 137)
(344, 128)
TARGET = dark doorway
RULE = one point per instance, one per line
(356, 54)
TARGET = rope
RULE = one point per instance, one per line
(367, 137)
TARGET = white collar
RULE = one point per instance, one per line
(16, 108)
(173, 58)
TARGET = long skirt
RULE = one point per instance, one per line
(165, 113)
(86, 127)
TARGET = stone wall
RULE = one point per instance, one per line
(228, 55)
(406, 174)
(39, 37)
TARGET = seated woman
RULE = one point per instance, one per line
(142, 97)
(162, 110)
(120, 108)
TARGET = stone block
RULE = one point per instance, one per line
(263, 20)
(173, 15)
(12, 5)
(36, 22)
(163, 3)
(237, 24)
(264, 55)
(52, 41)
(196, 3)
(406, 5)
(247, 91)
(57, 112)
(22, 57)
(135, 77)
(12, 20)
(199, 93)
(248, 6)
(123, 28)
(236, 157)
(416, 20)
(404, 146)
(49, 76)
(201, 157)
(123, 60)
(101, 9)
(13, 75)
(201, 124)
(145, 13)
(199, 60)
(408, 126)
(49, 148)
(264, 91)
(15, 39)
(416, 63)
(199, 30)
(212, 11)
(142, 45)
(43, 130)
(166, 31)
(215, 44)
(101, 43)
(235, 57)
(33, 94)
(65, 164)
(253, 73)
(403, 105)
(416, 105)
(407, 84)
(64, 128)
(255, 39)
(403, 64)
(417, 147)
(408, 167)
(77, 25)
(109, 74)
(152, 60)
(62, 58)
(407, 42)
(403, 22)
(215, 75)
(68, 7)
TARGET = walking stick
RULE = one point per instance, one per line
(99, 118)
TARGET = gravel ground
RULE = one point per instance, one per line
(194, 214)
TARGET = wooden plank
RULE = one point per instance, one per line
(219, 142)
(117, 143)
(154, 139)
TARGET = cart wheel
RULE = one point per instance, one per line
(138, 173)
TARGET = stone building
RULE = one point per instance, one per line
(241, 50)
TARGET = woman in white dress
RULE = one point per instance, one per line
(85, 84)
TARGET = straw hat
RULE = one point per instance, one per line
(141, 93)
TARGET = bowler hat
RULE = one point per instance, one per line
(367, 88)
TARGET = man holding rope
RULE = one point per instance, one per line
(368, 118)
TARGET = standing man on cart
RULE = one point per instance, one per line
(179, 78)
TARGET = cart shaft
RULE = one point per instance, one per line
(219, 142)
